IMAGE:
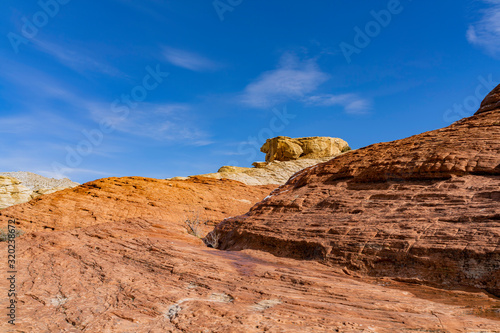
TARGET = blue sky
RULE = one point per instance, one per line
(175, 88)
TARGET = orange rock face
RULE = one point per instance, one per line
(115, 199)
(139, 276)
(491, 102)
(424, 208)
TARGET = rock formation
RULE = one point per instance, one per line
(12, 192)
(115, 199)
(20, 187)
(283, 148)
(491, 102)
(284, 157)
(121, 261)
(425, 208)
(264, 173)
(143, 275)
(39, 183)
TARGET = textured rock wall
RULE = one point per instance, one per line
(114, 199)
(263, 173)
(283, 148)
(426, 208)
(491, 102)
(142, 276)
(284, 157)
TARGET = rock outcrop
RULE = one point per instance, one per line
(426, 208)
(12, 192)
(116, 199)
(284, 157)
(283, 148)
(491, 102)
(263, 173)
(142, 275)
(20, 187)
(40, 183)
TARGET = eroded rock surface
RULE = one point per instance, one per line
(12, 192)
(284, 157)
(425, 208)
(39, 183)
(144, 276)
(115, 199)
(263, 173)
(491, 102)
(283, 148)
(20, 187)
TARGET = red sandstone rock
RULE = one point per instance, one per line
(115, 199)
(491, 102)
(425, 208)
(141, 276)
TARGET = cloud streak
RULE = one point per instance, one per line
(485, 33)
(351, 103)
(292, 80)
(76, 58)
(188, 60)
(169, 122)
(295, 80)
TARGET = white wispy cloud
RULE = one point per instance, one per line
(295, 80)
(352, 103)
(162, 122)
(40, 122)
(27, 81)
(189, 60)
(76, 57)
(292, 80)
(486, 32)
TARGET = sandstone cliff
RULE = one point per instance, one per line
(39, 183)
(425, 208)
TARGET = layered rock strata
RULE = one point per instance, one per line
(283, 148)
(263, 173)
(12, 192)
(142, 275)
(425, 208)
(115, 199)
(284, 157)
